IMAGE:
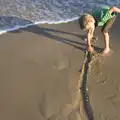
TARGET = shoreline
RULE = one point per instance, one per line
(30, 24)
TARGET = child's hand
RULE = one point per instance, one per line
(90, 49)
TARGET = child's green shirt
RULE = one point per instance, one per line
(102, 16)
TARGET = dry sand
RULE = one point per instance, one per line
(39, 72)
(40, 78)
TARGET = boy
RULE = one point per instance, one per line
(104, 18)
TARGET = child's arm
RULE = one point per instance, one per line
(114, 9)
(89, 37)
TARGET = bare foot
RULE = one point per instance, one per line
(106, 51)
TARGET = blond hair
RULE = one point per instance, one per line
(83, 20)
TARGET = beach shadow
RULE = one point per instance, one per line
(51, 33)
(47, 33)
(37, 28)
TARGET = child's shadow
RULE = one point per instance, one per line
(79, 43)
(54, 35)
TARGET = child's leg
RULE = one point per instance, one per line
(107, 47)
(105, 31)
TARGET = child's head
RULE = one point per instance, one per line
(86, 21)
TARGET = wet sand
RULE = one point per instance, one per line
(104, 79)
(44, 75)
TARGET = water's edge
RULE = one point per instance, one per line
(32, 24)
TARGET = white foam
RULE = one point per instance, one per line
(36, 23)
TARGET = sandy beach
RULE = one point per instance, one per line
(39, 71)
(40, 68)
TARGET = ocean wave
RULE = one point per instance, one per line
(15, 14)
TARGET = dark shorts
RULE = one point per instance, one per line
(108, 25)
